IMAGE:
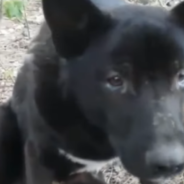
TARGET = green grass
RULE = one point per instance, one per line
(14, 9)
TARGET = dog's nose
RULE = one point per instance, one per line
(166, 160)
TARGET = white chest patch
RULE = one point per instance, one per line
(89, 165)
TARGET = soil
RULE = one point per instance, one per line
(14, 40)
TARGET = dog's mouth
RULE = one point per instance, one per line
(159, 180)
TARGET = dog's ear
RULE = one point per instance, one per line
(73, 23)
(178, 13)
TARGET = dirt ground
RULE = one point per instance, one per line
(14, 39)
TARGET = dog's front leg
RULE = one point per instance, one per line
(34, 171)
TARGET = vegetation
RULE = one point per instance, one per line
(14, 9)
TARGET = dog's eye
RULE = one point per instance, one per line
(115, 81)
(180, 80)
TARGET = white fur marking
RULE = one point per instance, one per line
(89, 165)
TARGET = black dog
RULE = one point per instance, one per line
(97, 83)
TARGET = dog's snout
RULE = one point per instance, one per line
(165, 160)
(160, 118)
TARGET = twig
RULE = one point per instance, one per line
(26, 24)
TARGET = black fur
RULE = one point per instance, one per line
(11, 150)
(98, 83)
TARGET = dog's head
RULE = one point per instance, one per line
(126, 71)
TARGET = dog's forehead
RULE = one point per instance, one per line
(137, 22)
(149, 40)
(139, 11)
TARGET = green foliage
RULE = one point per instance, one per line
(13, 9)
